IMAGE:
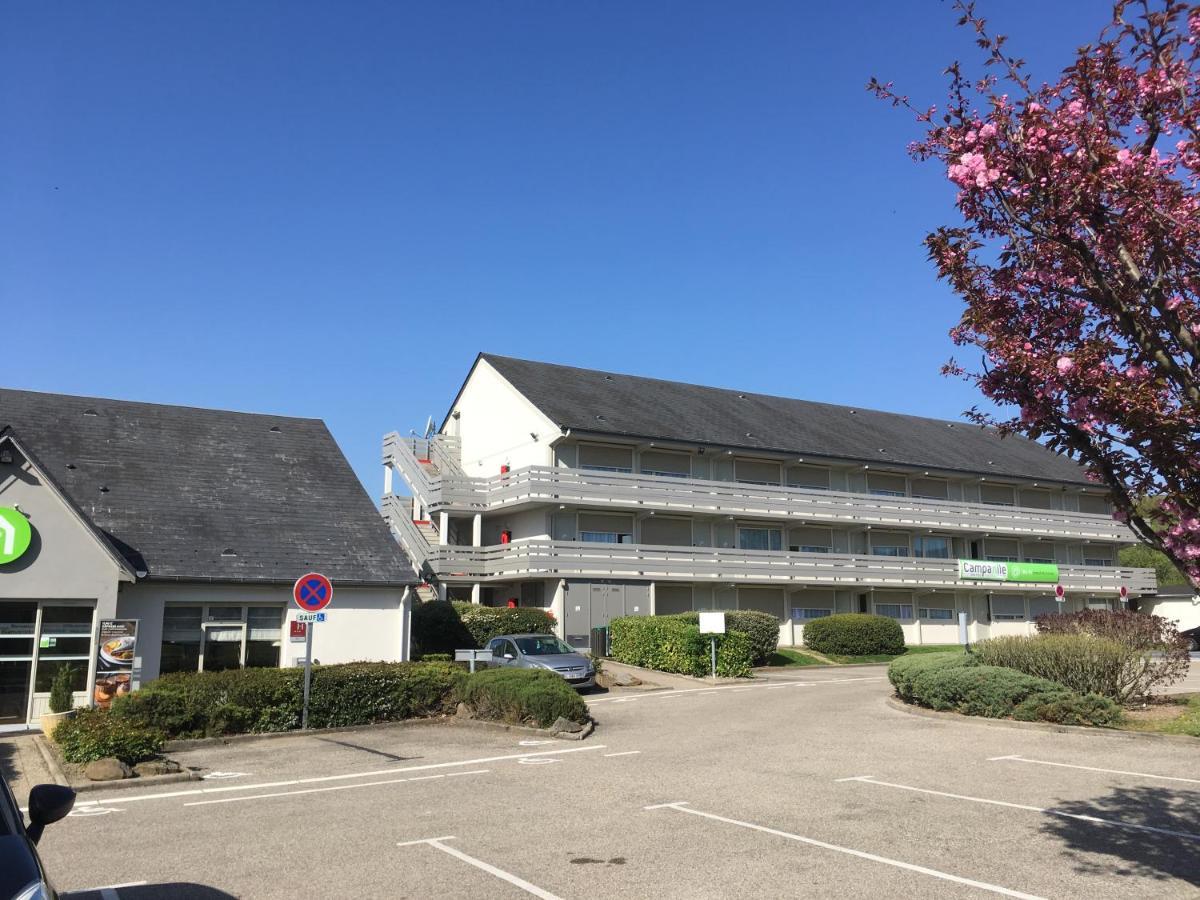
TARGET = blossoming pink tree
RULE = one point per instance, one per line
(1079, 254)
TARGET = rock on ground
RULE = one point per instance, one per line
(108, 769)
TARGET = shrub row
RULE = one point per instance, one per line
(441, 627)
(961, 684)
(95, 734)
(522, 696)
(670, 644)
(1081, 662)
(854, 634)
(761, 628)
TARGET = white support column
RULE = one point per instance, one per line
(443, 528)
(406, 603)
(652, 593)
(387, 479)
(558, 607)
(477, 530)
(441, 591)
(477, 593)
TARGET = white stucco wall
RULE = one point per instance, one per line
(495, 422)
(1184, 611)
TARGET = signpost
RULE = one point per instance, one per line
(1060, 593)
(713, 623)
(312, 593)
(1124, 595)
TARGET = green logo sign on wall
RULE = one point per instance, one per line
(14, 534)
(979, 570)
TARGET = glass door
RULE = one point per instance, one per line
(18, 622)
(222, 646)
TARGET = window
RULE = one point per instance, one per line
(65, 640)
(934, 612)
(1008, 609)
(894, 610)
(760, 539)
(799, 614)
(605, 458)
(1038, 559)
(810, 540)
(889, 543)
(1002, 550)
(931, 488)
(997, 494)
(752, 471)
(668, 465)
(606, 537)
(663, 530)
(1094, 503)
(812, 478)
(219, 637)
(1035, 498)
(887, 485)
(931, 546)
(1097, 561)
(1044, 606)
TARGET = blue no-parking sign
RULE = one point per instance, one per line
(312, 592)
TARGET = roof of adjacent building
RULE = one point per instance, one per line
(630, 406)
(206, 494)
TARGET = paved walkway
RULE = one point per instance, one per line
(21, 765)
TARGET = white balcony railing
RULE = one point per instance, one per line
(688, 496)
(578, 559)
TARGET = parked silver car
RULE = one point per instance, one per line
(543, 651)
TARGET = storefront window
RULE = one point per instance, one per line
(220, 637)
(181, 639)
(264, 636)
(17, 625)
(65, 640)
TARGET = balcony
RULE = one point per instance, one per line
(455, 493)
(576, 559)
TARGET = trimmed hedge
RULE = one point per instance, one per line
(522, 697)
(95, 734)
(761, 628)
(437, 628)
(947, 681)
(487, 622)
(239, 701)
(854, 634)
(670, 644)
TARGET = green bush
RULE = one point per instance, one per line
(487, 622)
(238, 701)
(437, 628)
(670, 644)
(761, 628)
(1082, 662)
(1069, 709)
(522, 697)
(95, 734)
(854, 634)
(439, 657)
(904, 671)
(61, 698)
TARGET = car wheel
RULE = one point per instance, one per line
(1194, 643)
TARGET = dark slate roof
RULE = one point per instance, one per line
(174, 488)
(649, 408)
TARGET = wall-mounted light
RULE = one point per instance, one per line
(6, 457)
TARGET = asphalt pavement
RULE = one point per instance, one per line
(791, 785)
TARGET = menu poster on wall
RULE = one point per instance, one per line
(115, 654)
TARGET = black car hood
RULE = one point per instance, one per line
(18, 866)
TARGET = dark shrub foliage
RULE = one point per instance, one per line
(487, 622)
(669, 644)
(437, 628)
(95, 734)
(522, 697)
(761, 628)
(1137, 631)
(854, 634)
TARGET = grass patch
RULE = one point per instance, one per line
(887, 658)
(1178, 714)
(790, 658)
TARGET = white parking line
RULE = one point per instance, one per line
(624, 753)
(324, 790)
(662, 695)
(107, 892)
(1094, 820)
(486, 867)
(945, 876)
(1043, 762)
(193, 792)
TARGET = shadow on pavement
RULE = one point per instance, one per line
(8, 768)
(176, 890)
(1131, 852)
(391, 756)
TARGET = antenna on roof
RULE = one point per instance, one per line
(430, 428)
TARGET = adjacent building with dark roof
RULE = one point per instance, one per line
(597, 494)
(193, 522)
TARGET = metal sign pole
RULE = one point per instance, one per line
(714, 657)
(308, 633)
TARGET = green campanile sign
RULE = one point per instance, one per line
(987, 570)
(15, 534)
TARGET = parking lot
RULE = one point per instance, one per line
(791, 785)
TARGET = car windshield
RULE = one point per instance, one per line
(542, 646)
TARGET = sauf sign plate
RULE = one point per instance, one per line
(988, 570)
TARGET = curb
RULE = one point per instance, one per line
(653, 676)
(822, 666)
(1112, 733)
(56, 771)
(80, 787)
(588, 728)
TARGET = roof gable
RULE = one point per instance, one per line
(653, 409)
(202, 494)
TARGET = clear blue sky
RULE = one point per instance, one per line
(328, 209)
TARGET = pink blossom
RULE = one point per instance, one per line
(1064, 365)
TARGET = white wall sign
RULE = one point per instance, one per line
(712, 623)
